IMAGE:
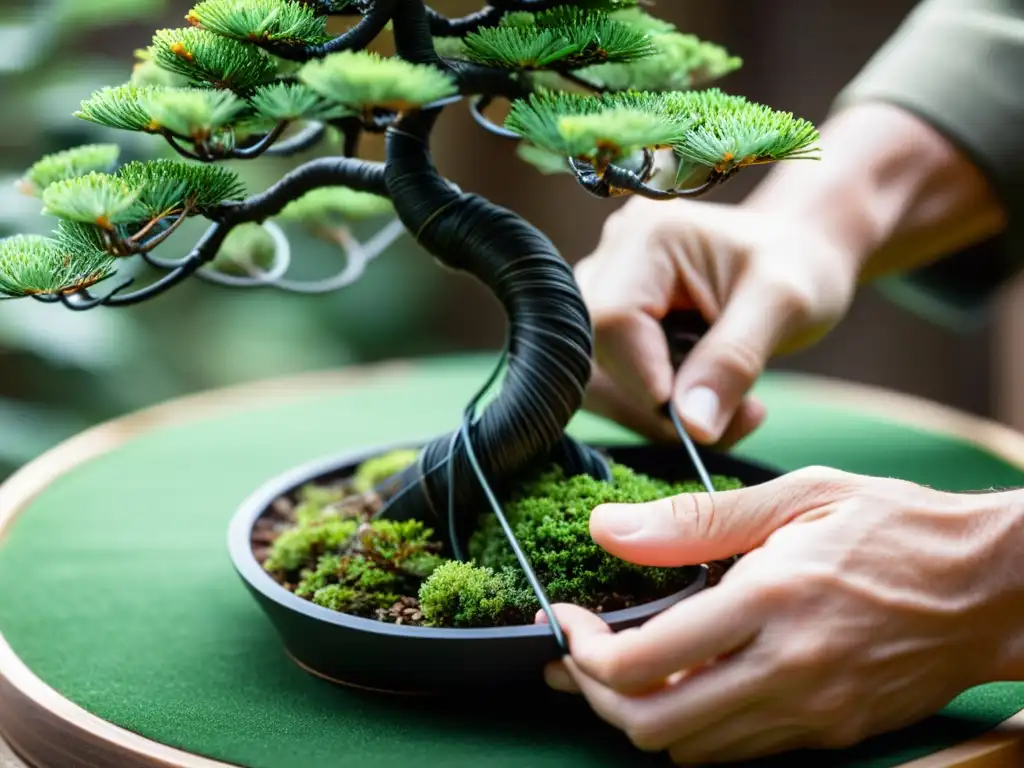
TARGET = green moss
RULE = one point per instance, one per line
(551, 519)
(343, 562)
(379, 568)
(375, 471)
(348, 600)
(464, 595)
(297, 547)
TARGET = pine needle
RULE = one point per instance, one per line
(564, 37)
(578, 125)
(294, 101)
(681, 62)
(68, 164)
(361, 80)
(192, 113)
(31, 264)
(147, 72)
(279, 21)
(618, 132)
(729, 132)
(207, 58)
(169, 186)
(708, 128)
(95, 198)
(119, 107)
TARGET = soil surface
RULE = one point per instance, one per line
(280, 517)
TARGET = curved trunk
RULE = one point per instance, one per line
(549, 342)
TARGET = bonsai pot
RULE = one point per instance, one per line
(409, 659)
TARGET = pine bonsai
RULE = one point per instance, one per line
(600, 89)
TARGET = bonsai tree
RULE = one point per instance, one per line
(599, 89)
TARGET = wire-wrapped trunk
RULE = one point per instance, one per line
(549, 340)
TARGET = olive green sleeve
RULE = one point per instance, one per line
(959, 65)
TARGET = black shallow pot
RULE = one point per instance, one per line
(402, 659)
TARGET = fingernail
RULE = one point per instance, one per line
(556, 677)
(616, 519)
(540, 617)
(700, 407)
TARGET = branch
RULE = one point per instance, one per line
(616, 181)
(204, 153)
(442, 26)
(477, 79)
(366, 30)
(476, 109)
(306, 139)
(358, 175)
(413, 41)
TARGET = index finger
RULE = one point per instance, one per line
(693, 633)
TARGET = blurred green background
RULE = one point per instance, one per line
(62, 371)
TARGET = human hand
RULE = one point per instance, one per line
(864, 605)
(766, 283)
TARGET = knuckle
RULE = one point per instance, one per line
(796, 298)
(604, 665)
(739, 358)
(688, 519)
(816, 474)
(820, 479)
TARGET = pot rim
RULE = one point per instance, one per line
(245, 563)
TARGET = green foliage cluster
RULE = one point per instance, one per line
(563, 37)
(707, 128)
(104, 213)
(266, 20)
(550, 517)
(607, 80)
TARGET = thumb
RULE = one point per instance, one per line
(723, 366)
(690, 529)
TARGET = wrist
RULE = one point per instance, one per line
(889, 191)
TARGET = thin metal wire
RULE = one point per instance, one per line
(524, 562)
(695, 459)
(469, 414)
(282, 261)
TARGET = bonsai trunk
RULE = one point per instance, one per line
(549, 342)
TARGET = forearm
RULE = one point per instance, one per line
(890, 190)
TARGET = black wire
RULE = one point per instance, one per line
(357, 38)
(469, 414)
(476, 109)
(524, 562)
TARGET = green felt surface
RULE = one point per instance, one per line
(118, 590)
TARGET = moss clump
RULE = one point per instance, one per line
(294, 549)
(465, 595)
(333, 552)
(350, 565)
(551, 519)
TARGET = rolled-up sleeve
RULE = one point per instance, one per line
(959, 65)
